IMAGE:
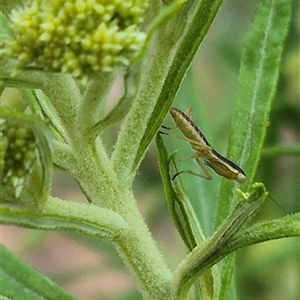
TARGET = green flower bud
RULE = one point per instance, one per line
(17, 153)
(78, 37)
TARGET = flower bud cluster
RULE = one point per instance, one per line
(78, 37)
(17, 153)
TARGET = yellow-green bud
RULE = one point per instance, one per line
(17, 153)
(78, 37)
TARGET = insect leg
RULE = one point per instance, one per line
(207, 177)
(167, 128)
(202, 166)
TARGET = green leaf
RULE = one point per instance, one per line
(182, 213)
(19, 281)
(256, 88)
(199, 19)
(124, 104)
(287, 226)
(56, 214)
(42, 105)
(39, 180)
(203, 194)
(179, 205)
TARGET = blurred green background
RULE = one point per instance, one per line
(92, 270)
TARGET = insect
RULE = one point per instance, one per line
(203, 150)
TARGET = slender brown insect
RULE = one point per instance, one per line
(203, 150)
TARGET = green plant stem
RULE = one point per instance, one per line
(62, 92)
(92, 105)
(138, 249)
(92, 169)
(140, 253)
(63, 157)
(281, 150)
(135, 246)
(125, 228)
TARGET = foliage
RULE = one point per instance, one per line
(64, 64)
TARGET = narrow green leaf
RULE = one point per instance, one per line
(45, 107)
(124, 104)
(179, 206)
(269, 230)
(182, 213)
(19, 281)
(256, 88)
(199, 19)
(56, 214)
(203, 195)
(44, 144)
(288, 226)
